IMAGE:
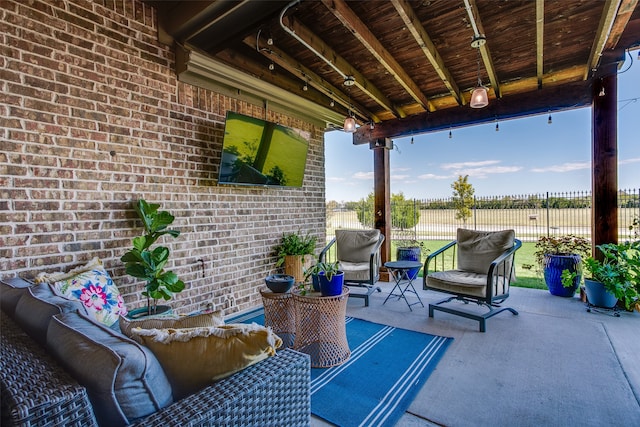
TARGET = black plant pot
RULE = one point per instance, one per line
(279, 283)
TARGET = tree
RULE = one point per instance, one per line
(463, 198)
(404, 214)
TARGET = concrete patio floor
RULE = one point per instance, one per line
(555, 364)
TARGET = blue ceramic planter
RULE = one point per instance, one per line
(554, 265)
(333, 287)
(597, 294)
(411, 253)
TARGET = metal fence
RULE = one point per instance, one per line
(530, 215)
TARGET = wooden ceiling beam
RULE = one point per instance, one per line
(539, 41)
(562, 97)
(625, 10)
(428, 47)
(485, 53)
(249, 66)
(342, 64)
(602, 35)
(296, 68)
(360, 31)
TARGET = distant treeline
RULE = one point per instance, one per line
(567, 201)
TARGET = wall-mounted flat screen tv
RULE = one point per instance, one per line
(257, 152)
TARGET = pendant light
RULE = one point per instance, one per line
(349, 121)
(479, 96)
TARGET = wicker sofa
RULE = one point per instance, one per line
(36, 390)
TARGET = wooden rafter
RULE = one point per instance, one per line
(604, 28)
(428, 47)
(486, 54)
(539, 41)
(296, 68)
(351, 21)
(342, 64)
(625, 10)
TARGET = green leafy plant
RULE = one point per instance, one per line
(561, 245)
(295, 244)
(147, 263)
(619, 271)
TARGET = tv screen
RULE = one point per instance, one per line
(257, 152)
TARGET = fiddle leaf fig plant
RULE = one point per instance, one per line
(146, 263)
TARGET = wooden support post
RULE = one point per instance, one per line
(382, 203)
(604, 149)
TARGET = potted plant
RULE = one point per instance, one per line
(616, 276)
(557, 254)
(331, 278)
(147, 263)
(294, 252)
(409, 249)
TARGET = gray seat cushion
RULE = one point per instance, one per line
(124, 379)
(356, 245)
(465, 283)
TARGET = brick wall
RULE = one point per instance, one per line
(93, 118)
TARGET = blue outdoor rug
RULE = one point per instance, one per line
(387, 368)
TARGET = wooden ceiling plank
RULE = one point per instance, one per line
(562, 97)
(539, 41)
(360, 31)
(622, 19)
(296, 68)
(342, 64)
(602, 34)
(486, 54)
(428, 47)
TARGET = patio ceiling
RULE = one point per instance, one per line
(412, 61)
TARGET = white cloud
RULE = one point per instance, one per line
(486, 171)
(463, 165)
(335, 179)
(434, 176)
(400, 177)
(363, 175)
(565, 167)
(627, 161)
(393, 170)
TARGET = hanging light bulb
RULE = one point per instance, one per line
(497, 127)
(272, 66)
(411, 140)
(332, 103)
(479, 96)
(450, 134)
(349, 124)
(549, 120)
(349, 121)
(602, 92)
(305, 87)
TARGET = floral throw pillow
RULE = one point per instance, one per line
(96, 291)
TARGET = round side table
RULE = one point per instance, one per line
(280, 315)
(320, 328)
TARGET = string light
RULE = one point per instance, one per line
(549, 120)
(450, 134)
(272, 66)
(411, 140)
(497, 126)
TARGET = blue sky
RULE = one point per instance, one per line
(526, 156)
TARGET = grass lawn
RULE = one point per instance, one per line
(526, 269)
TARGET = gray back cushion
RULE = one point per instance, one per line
(356, 245)
(124, 379)
(477, 249)
(11, 290)
(36, 307)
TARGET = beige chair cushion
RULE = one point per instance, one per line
(466, 283)
(477, 249)
(356, 245)
(355, 270)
